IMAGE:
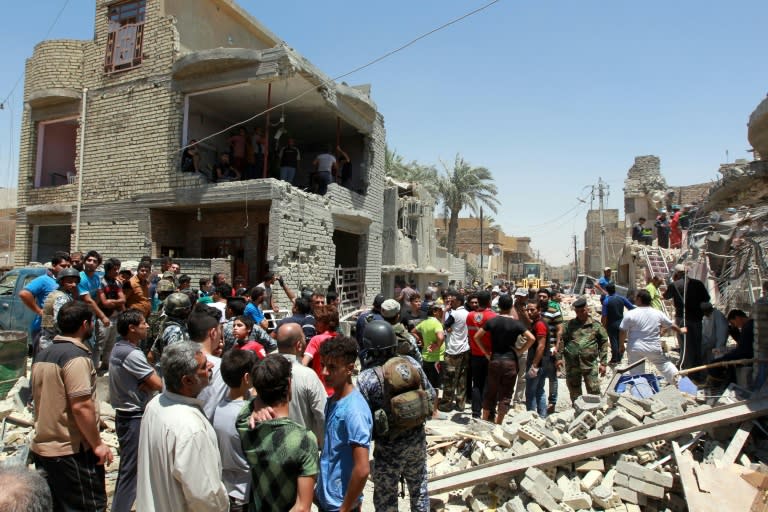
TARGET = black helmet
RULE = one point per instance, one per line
(379, 340)
(177, 305)
(68, 272)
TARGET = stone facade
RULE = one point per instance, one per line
(615, 236)
(135, 201)
(757, 132)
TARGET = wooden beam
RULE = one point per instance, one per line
(611, 443)
(736, 444)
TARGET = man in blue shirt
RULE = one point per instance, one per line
(613, 314)
(344, 466)
(253, 309)
(88, 291)
(34, 294)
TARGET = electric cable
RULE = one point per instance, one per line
(355, 70)
(47, 33)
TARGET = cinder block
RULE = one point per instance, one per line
(578, 430)
(590, 480)
(621, 479)
(578, 500)
(643, 487)
(631, 407)
(514, 505)
(627, 494)
(604, 496)
(587, 403)
(533, 507)
(538, 494)
(533, 435)
(590, 465)
(500, 438)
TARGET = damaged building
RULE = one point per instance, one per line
(106, 120)
(410, 250)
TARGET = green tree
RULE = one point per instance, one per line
(464, 186)
(412, 172)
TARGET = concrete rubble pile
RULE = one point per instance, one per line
(641, 478)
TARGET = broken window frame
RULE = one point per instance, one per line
(125, 35)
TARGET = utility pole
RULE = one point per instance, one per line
(482, 247)
(602, 189)
(575, 260)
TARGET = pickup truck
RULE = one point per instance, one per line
(14, 315)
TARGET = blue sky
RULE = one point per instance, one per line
(548, 95)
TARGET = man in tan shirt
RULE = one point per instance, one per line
(67, 443)
(138, 298)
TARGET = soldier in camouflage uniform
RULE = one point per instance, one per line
(584, 350)
(174, 326)
(401, 455)
(156, 318)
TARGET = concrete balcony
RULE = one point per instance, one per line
(757, 131)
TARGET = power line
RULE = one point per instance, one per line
(355, 70)
(47, 33)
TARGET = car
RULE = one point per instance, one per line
(14, 315)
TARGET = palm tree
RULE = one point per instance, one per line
(412, 172)
(461, 187)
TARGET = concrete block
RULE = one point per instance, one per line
(587, 417)
(566, 438)
(578, 500)
(631, 407)
(514, 505)
(590, 480)
(631, 507)
(585, 466)
(609, 477)
(587, 403)
(627, 494)
(500, 438)
(643, 487)
(534, 507)
(621, 479)
(578, 430)
(533, 435)
(603, 496)
(539, 495)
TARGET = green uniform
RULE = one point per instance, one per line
(585, 345)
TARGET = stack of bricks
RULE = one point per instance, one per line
(640, 478)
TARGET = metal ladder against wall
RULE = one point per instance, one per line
(657, 265)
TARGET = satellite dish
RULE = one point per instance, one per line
(496, 250)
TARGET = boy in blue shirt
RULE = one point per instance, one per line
(348, 427)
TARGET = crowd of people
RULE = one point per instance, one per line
(217, 408)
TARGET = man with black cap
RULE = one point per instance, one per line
(584, 351)
(688, 294)
(367, 317)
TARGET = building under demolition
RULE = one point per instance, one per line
(106, 120)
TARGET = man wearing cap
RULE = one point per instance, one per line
(367, 317)
(456, 361)
(584, 350)
(688, 294)
(675, 234)
(406, 342)
(603, 282)
(662, 229)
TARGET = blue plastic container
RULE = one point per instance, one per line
(642, 385)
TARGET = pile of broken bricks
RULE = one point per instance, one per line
(644, 477)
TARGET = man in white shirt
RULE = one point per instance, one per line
(641, 333)
(456, 356)
(204, 329)
(179, 461)
(325, 165)
(308, 396)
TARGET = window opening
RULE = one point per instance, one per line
(126, 35)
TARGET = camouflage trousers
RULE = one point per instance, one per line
(454, 381)
(574, 375)
(406, 457)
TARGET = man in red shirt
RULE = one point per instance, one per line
(478, 361)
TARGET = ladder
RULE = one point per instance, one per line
(657, 265)
(656, 262)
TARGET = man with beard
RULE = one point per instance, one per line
(67, 445)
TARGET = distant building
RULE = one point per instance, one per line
(615, 237)
(502, 255)
(7, 226)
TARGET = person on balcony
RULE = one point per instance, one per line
(326, 166)
(224, 171)
(290, 156)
